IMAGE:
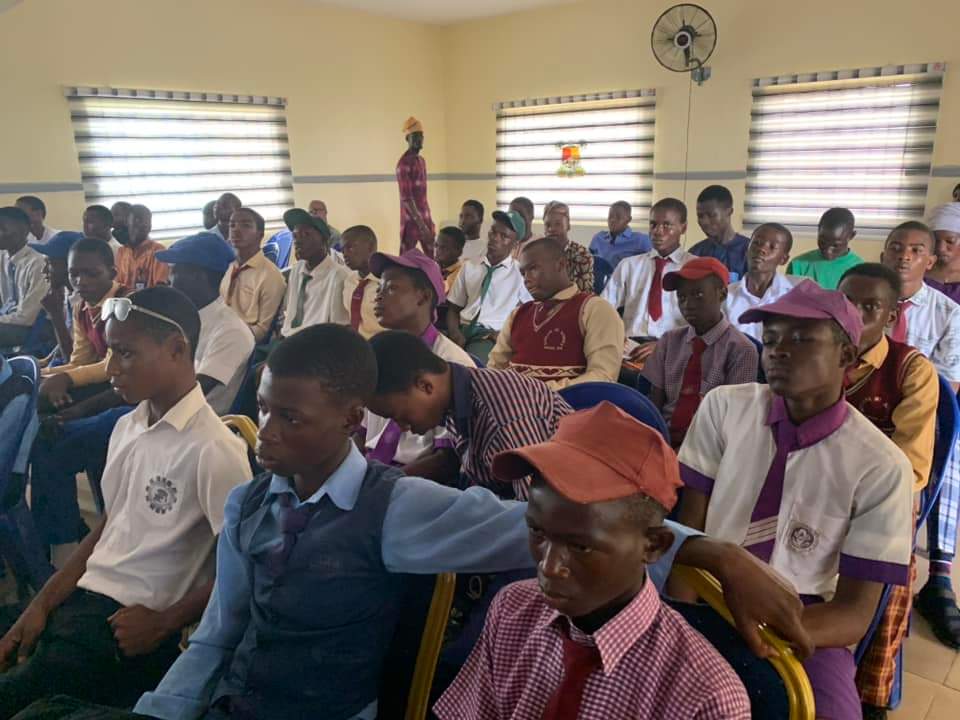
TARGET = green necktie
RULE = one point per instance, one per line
(301, 300)
(484, 288)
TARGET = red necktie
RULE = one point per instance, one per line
(899, 332)
(655, 298)
(356, 303)
(233, 279)
(578, 662)
(689, 399)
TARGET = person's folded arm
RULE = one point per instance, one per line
(845, 619)
(502, 352)
(914, 418)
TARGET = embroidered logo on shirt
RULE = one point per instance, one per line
(161, 495)
(803, 538)
(555, 340)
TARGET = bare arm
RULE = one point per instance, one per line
(453, 324)
(139, 630)
(845, 619)
(692, 512)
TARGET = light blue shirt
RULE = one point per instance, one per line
(428, 528)
(626, 244)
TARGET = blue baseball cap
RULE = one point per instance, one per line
(58, 247)
(206, 250)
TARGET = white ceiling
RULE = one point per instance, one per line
(440, 12)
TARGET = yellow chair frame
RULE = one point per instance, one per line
(244, 426)
(788, 667)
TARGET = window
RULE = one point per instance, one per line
(174, 152)
(613, 135)
(860, 139)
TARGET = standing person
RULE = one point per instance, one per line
(36, 210)
(210, 215)
(524, 206)
(253, 287)
(715, 215)
(318, 208)
(359, 288)
(97, 223)
(22, 282)
(120, 211)
(223, 211)
(833, 256)
(137, 264)
(945, 274)
(471, 219)
(416, 223)
(556, 223)
(769, 249)
(619, 240)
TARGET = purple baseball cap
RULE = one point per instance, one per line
(809, 300)
(411, 259)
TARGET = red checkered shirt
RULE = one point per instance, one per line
(412, 179)
(654, 665)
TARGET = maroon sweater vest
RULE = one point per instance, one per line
(879, 393)
(547, 341)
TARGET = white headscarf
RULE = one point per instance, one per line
(946, 217)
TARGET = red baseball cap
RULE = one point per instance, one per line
(697, 269)
(597, 455)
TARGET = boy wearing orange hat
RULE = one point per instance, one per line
(416, 223)
(690, 361)
(590, 637)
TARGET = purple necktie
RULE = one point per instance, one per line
(762, 532)
(293, 521)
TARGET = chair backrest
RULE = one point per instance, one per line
(244, 427)
(761, 375)
(788, 667)
(602, 270)
(40, 340)
(586, 395)
(944, 448)
(284, 242)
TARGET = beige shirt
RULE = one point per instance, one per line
(254, 293)
(603, 338)
(368, 321)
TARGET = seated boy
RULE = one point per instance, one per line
(410, 289)
(524, 206)
(769, 249)
(556, 223)
(689, 362)
(636, 286)
(359, 289)
(56, 303)
(485, 292)
(591, 638)
(930, 321)
(315, 284)
(619, 241)
(833, 256)
(107, 626)
(470, 222)
(36, 211)
(945, 275)
(450, 244)
(485, 411)
(92, 274)
(97, 223)
(137, 264)
(896, 388)
(252, 287)
(714, 215)
(563, 336)
(22, 282)
(801, 479)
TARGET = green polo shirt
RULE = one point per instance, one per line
(827, 273)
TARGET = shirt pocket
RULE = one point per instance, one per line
(811, 541)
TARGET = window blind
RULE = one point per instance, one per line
(859, 139)
(174, 152)
(615, 133)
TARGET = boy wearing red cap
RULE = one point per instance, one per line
(802, 480)
(689, 362)
(590, 638)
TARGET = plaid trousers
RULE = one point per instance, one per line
(942, 522)
(877, 668)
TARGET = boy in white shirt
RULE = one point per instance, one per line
(107, 626)
(22, 281)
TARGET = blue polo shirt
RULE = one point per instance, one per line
(733, 254)
(614, 249)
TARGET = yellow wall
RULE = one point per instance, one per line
(351, 80)
(605, 45)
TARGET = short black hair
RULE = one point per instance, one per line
(877, 272)
(16, 215)
(364, 232)
(123, 204)
(914, 226)
(671, 203)
(257, 217)
(553, 245)
(334, 355)
(401, 359)
(455, 234)
(777, 227)
(34, 203)
(101, 212)
(623, 205)
(476, 205)
(718, 194)
(94, 246)
(170, 303)
(838, 217)
(526, 202)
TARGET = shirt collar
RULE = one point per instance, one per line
(566, 293)
(676, 256)
(920, 296)
(256, 261)
(452, 268)
(710, 336)
(876, 355)
(506, 263)
(112, 292)
(620, 633)
(343, 486)
(322, 268)
(22, 252)
(812, 430)
(462, 398)
(176, 417)
(429, 336)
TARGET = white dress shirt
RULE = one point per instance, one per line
(933, 328)
(48, 232)
(629, 287)
(164, 488)
(739, 300)
(474, 249)
(223, 352)
(22, 287)
(505, 293)
(324, 298)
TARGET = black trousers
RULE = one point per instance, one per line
(78, 656)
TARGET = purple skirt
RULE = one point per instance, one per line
(832, 673)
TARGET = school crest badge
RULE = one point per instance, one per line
(803, 538)
(161, 495)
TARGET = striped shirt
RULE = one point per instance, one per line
(498, 410)
(654, 665)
